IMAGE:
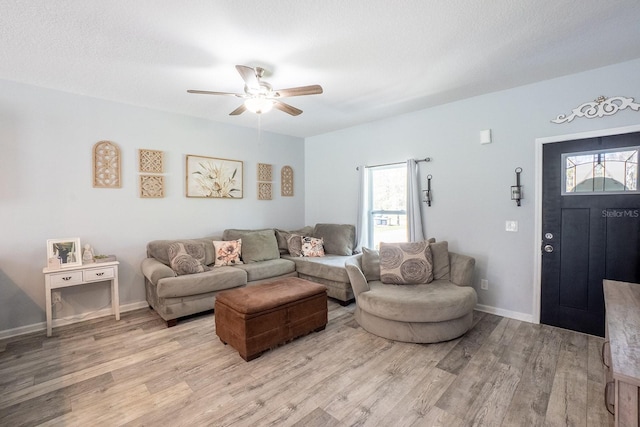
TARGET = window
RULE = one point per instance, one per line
(603, 171)
(387, 204)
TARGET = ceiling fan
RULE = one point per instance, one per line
(259, 97)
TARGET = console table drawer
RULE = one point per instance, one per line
(66, 279)
(96, 274)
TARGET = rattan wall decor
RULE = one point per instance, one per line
(265, 172)
(151, 186)
(106, 165)
(150, 161)
(265, 191)
(286, 181)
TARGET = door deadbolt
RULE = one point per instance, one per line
(548, 248)
(548, 236)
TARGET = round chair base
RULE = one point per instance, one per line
(423, 333)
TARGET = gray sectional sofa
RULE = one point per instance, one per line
(173, 296)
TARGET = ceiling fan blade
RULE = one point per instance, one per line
(299, 91)
(241, 109)
(249, 76)
(208, 92)
(286, 108)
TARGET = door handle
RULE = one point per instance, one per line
(548, 248)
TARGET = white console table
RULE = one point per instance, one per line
(82, 275)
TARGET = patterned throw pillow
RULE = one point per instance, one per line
(227, 252)
(406, 263)
(294, 244)
(312, 247)
(187, 258)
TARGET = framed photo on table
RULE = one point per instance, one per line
(67, 251)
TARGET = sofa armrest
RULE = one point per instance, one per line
(461, 269)
(356, 276)
(154, 270)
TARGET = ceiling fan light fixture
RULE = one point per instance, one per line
(258, 105)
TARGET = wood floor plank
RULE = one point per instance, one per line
(50, 405)
(419, 401)
(71, 378)
(568, 400)
(530, 400)
(468, 344)
(596, 368)
(597, 414)
(137, 372)
(318, 418)
(396, 380)
(495, 397)
(476, 367)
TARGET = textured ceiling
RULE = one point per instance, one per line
(374, 58)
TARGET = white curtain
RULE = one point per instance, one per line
(362, 221)
(414, 203)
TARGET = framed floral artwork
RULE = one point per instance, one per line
(210, 177)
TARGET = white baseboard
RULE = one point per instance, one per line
(505, 313)
(37, 327)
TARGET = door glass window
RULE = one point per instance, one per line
(602, 171)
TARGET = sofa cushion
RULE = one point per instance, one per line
(440, 301)
(440, 255)
(216, 279)
(259, 246)
(406, 263)
(329, 267)
(227, 252)
(237, 233)
(370, 264)
(312, 247)
(187, 258)
(283, 235)
(339, 239)
(267, 269)
(294, 245)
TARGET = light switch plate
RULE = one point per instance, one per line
(511, 226)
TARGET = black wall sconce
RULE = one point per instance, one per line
(516, 190)
(427, 192)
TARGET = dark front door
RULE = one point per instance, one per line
(592, 231)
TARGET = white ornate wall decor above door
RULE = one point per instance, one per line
(106, 165)
(600, 107)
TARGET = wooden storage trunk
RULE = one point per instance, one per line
(256, 318)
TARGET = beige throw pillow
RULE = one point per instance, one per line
(406, 263)
(227, 252)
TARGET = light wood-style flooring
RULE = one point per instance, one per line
(138, 372)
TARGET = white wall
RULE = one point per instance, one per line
(46, 140)
(471, 182)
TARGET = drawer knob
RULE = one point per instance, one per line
(100, 274)
(66, 278)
